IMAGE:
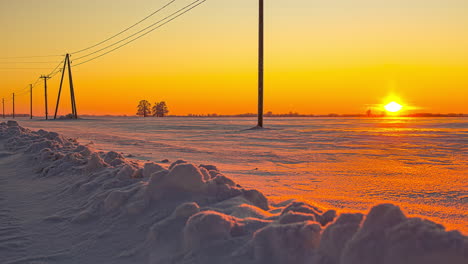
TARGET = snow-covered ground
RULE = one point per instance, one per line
(64, 202)
(352, 163)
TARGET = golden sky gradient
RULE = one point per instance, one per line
(322, 56)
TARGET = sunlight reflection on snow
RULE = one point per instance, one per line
(419, 163)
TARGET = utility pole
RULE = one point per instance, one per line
(3, 106)
(13, 105)
(45, 94)
(30, 101)
(60, 87)
(72, 90)
(66, 64)
(260, 64)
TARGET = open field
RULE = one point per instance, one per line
(352, 163)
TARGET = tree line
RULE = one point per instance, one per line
(159, 109)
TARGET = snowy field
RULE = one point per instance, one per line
(353, 163)
(64, 201)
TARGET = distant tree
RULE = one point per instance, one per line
(160, 109)
(144, 108)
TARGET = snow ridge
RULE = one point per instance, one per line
(195, 214)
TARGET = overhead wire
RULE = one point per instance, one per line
(21, 93)
(140, 31)
(146, 33)
(11, 68)
(36, 82)
(52, 75)
(25, 90)
(56, 67)
(28, 68)
(30, 57)
(27, 62)
(127, 29)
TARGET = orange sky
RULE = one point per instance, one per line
(321, 56)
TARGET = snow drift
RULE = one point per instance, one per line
(110, 209)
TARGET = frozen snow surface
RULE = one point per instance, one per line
(65, 202)
(342, 163)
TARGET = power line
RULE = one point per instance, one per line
(24, 68)
(24, 90)
(21, 94)
(56, 67)
(30, 57)
(36, 82)
(20, 68)
(52, 75)
(136, 33)
(125, 30)
(27, 62)
(146, 33)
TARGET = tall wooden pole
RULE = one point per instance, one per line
(72, 90)
(3, 107)
(30, 101)
(13, 105)
(67, 63)
(60, 88)
(45, 95)
(260, 64)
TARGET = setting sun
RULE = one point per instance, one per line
(393, 107)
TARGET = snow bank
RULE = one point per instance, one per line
(195, 214)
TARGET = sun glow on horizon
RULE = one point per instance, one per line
(393, 107)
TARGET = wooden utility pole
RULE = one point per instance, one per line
(30, 101)
(72, 90)
(60, 87)
(45, 94)
(3, 106)
(13, 105)
(260, 64)
(66, 64)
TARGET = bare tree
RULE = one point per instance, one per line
(144, 108)
(160, 109)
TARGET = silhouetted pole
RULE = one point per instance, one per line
(45, 94)
(66, 64)
(3, 107)
(72, 90)
(60, 87)
(30, 101)
(260, 65)
(13, 105)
